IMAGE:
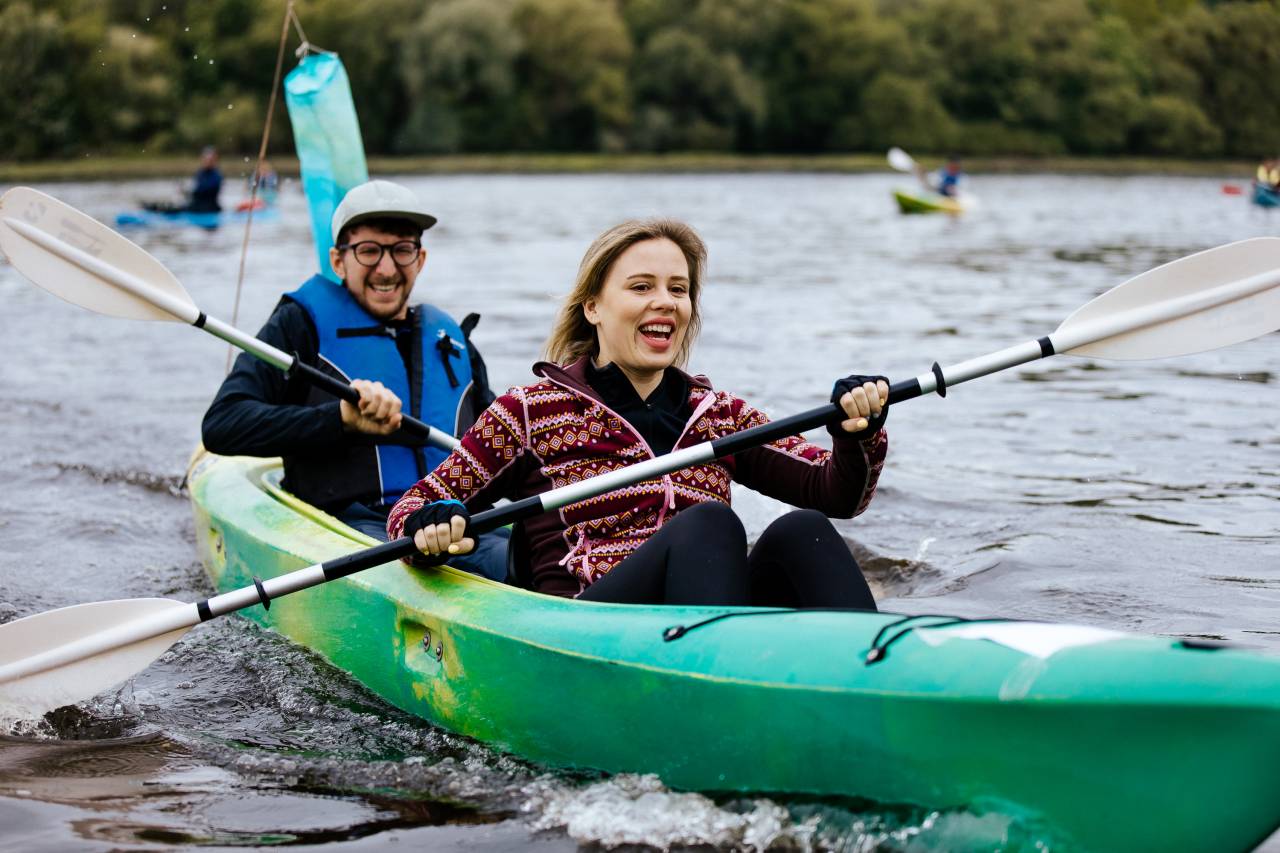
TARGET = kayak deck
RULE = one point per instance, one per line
(1117, 741)
(186, 218)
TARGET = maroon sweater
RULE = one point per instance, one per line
(557, 431)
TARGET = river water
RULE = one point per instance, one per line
(1134, 495)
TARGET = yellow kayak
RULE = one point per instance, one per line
(927, 203)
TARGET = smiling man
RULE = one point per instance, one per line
(352, 460)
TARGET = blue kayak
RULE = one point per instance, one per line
(187, 218)
(1265, 196)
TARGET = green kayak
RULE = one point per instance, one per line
(1116, 741)
(927, 203)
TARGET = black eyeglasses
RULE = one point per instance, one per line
(369, 252)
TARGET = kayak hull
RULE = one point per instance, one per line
(188, 219)
(1115, 741)
(926, 203)
(1264, 196)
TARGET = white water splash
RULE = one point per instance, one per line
(17, 723)
(631, 809)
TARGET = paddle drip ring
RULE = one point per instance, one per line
(262, 593)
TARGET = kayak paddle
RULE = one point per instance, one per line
(75, 257)
(902, 161)
(1201, 302)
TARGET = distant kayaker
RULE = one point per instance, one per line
(266, 181)
(205, 188)
(350, 460)
(611, 394)
(207, 184)
(946, 181)
(1268, 174)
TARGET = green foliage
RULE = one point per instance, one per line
(696, 98)
(574, 93)
(1096, 77)
(459, 72)
(898, 110)
(1171, 124)
(1141, 15)
(990, 138)
(36, 66)
(820, 57)
(1228, 58)
(137, 96)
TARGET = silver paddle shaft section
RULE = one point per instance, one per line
(631, 474)
(181, 617)
(247, 596)
(1072, 336)
(256, 348)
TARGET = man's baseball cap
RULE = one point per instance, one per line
(376, 200)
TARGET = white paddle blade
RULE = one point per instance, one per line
(901, 160)
(48, 241)
(1213, 298)
(83, 633)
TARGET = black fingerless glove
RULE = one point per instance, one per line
(436, 512)
(874, 423)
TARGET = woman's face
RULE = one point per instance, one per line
(642, 312)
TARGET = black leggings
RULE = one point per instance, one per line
(700, 557)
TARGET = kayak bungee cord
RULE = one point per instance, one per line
(904, 625)
(878, 650)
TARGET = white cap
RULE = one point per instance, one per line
(377, 199)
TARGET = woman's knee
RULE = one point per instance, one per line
(802, 522)
(712, 518)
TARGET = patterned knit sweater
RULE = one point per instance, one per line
(555, 432)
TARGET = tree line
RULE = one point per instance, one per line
(1185, 78)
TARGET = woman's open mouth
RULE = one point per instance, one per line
(658, 333)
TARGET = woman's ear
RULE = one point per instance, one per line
(589, 311)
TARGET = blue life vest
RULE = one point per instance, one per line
(355, 345)
(949, 183)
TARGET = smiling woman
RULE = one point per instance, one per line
(612, 395)
(642, 312)
(574, 336)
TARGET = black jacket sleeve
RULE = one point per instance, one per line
(258, 410)
(480, 395)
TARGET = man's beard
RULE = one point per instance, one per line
(380, 309)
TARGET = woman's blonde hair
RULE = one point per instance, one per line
(572, 336)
